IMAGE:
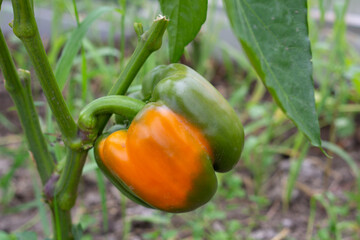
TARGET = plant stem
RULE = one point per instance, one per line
(84, 82)
(26, 30)
(148, 42)
(122, 105)
(21, 95)
(89, 116)
(122, 27)
(66, 187)
(62, 223)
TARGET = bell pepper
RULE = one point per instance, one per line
(168, 157)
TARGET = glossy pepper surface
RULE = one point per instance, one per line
(167, 157)
(188, 94)
(162, 159)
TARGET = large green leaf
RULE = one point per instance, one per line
(73, 45)
(274, 36)
(186, 18)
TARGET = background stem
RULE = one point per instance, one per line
(122, 28)
(84, 82)
(21, 95)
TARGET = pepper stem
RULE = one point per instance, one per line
(88, 119)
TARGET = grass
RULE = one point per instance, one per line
(244, 203)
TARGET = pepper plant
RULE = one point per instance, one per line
(177, 130)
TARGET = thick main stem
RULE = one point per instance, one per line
(66, 187)
(62, 223)
(21, 95)
(26, 30)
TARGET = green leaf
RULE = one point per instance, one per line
(26, 236)
(186, 18)
(73, 45)
(274, 36)
(356, 82)
(5, 236)
(77, 231)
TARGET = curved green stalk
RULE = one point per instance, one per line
(25, 28)
(122, 105)
(21, 95)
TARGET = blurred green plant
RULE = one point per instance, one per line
(336, 73)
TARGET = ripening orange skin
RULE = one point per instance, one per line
(163, 159)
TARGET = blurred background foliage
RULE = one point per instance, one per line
(282, 188)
